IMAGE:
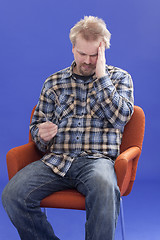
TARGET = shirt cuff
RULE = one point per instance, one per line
(40, 140)
(103, 82)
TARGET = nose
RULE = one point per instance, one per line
(88, 59)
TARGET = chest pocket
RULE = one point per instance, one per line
(94, 108)
(65, 106)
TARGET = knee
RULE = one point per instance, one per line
(104, 184)
(12, 200)
(10, 194)
(105, 177)
(5, 197)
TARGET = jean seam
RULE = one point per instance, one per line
(25, 202)
(77, 179)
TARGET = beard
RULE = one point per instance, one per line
(86, 69)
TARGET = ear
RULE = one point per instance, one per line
(73, 48)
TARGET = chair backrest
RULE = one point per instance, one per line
(30, 136)
(134, 130)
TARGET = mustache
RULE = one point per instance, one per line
(88, 65)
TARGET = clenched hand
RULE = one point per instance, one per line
(47, 130)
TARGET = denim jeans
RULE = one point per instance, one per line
(94, 178)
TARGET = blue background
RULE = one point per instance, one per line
(34, 43)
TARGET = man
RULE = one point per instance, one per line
(78, 123)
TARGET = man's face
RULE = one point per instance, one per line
(85, 55)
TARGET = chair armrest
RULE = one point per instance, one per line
(19, 157)
(126, 167)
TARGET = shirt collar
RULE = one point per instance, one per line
(69, 72)
(92, 78)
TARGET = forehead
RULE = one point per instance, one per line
(87, 46)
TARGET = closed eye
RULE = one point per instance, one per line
(83, 54)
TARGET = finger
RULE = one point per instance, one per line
(46, 125)
(101, 55)
(102, 47)
(101, 61)
(47, 136)
(47, 131)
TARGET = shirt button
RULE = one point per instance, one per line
(77, 138)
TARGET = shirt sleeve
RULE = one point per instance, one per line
(43, 112)
(116, 97)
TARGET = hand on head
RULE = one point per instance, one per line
(101, 61)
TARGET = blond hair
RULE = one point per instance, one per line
(90, 28)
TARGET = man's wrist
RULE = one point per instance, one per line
(101, 75)
(103, 82)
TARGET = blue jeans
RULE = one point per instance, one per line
(94, 178)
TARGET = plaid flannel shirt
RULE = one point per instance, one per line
(90, 114)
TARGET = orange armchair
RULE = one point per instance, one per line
(125, 164)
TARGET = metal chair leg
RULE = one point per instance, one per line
(45, 211)
(122, 219)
